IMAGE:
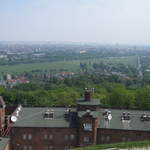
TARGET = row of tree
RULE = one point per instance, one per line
(61, 95)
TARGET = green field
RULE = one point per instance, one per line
(66, 65)
(117, 146)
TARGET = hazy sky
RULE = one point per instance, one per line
(102, 21)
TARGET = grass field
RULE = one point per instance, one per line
(67, 65)
(117, 146)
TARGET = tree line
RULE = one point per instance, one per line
(110, 95)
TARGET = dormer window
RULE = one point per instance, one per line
(87, 127)
(49, 114)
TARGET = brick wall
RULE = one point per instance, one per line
(38, 138)
(114, 135)
(2, 119)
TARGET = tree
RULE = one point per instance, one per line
(120, 97)
(143, 98)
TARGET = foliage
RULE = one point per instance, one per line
(62, 94)
(121, 97)
(143, 97)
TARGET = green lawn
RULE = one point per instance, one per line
(66, 65)
(123, 145)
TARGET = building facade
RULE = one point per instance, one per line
(2, 115)
(60, 128)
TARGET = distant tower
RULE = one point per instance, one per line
(88, 118)
(88, 124)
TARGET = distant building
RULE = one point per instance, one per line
(60, 128)
(13, 82)
(8, 77)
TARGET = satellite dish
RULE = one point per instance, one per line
(109, 117)
(88, 111)
(13, 118)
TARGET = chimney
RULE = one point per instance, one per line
(88, 94)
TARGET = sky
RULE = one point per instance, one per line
(100, 21)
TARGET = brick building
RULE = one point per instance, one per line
(41, 128)
(2, 115)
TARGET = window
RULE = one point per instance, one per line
(50, 137)
(51, 147)
(86, 139)
(66, 137)
(72, 137)
(48, 147)
(107, 138)
(129, 139)
(102, 138)
(25, 147)
(87, 126)
(123, 139)
(29, 136)
(24, 136)
(30, 147)
(66, 148)
(45, 136)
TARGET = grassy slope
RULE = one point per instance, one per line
(68, 65)
(117, 145)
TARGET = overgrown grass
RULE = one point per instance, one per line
(122, 145)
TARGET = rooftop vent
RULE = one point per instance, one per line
(145, 117)
(107, 115)
(125, 116)
(49, 114)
